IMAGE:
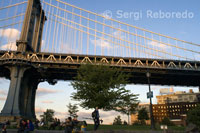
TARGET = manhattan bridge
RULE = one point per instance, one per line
(47, 40)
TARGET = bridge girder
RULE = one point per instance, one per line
(64, 67)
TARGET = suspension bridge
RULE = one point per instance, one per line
(47, 40)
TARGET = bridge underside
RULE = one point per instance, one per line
(138, 75)
(26, 70)
(64, 67)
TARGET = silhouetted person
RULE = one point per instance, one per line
(37, 124)
(95, 116)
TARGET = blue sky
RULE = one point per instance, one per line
(58, 96)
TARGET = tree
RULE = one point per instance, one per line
(99, 86)
(117, 121)
(128, 105)
(193, 116)
(47, 116)
(143, 115)
(72, 109)
(166, 121)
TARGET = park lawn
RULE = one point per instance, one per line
(131, 127)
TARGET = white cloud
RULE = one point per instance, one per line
(119, 34)
(101, 43)
(159, 45)
(11, 46)
(10, 33)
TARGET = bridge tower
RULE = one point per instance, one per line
(20, 102)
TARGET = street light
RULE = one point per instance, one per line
(150, 108)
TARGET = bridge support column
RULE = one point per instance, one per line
(21, 96)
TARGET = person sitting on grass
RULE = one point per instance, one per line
(22, 126)
(68, 125)
(30, 126)
(4, 128)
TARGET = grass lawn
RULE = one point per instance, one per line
(90, 127)
(127, 127)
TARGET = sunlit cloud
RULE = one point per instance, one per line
(2, 92)
(2, 98)
(39, 110)
(47, 102)
(45, 91)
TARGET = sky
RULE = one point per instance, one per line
(135, 12)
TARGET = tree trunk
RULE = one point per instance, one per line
(128, 120)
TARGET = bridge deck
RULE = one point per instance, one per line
(64, 67)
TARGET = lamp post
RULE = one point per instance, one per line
(150, 108)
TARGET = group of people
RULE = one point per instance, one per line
(71, 125)
(74, 125)
(56, 123)
(25, 126)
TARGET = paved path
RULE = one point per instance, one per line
(111, 131)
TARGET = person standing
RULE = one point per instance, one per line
(95, 116)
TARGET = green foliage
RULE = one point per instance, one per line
(117, 121)
(72, 109)
(128, 105)
(47, 116)
(193, 116)
(143, 115)
(100, 86)
(166, 121)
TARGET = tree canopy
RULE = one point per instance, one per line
(128, 105)
(117, 121)
(47, 116)
(143, 115)
(193, 116)
(72, 109)
(100, 86)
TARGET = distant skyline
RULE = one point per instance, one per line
(135, 13)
